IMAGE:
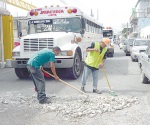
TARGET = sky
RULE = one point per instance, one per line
(111, 13)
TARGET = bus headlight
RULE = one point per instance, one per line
(66, 53)
(15, 54)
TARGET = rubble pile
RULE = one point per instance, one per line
(75, 107)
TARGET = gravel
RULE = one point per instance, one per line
(69, 106)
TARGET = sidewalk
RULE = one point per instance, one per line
(1, 65)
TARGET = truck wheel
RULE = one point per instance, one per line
(144, 79)
(22, 73)
(111, 55)
(132, 59)
(75, 71)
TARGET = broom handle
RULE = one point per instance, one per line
(106, 77)
(65, 82)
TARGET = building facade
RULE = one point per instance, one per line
(140, 18)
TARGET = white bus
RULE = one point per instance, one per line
(66, 27)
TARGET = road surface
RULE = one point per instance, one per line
(124, 77)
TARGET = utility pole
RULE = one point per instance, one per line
(127, 30)
(97, 14)
(92, 13)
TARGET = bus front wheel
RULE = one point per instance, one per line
(22, 73)
(75, 71)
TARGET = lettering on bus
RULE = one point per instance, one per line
(52, 11)
(40, 21)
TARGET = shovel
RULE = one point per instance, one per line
(48, 74)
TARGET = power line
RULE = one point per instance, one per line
(63, 2)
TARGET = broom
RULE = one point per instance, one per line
(110, 90)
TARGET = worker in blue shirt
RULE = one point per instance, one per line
(40, 58)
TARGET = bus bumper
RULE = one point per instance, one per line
(22, 63)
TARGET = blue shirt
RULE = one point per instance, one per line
(41, 57)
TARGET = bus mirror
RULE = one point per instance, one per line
(83, 23)
(20, 34)
(82, 31)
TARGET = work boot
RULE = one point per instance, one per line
(96, 91)
(82, 89)
(45, 101)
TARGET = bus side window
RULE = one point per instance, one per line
(88, 26)
(83, 23)
(86, 22)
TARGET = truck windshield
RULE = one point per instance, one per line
(141, 43)
(107, 33)
(54, 25)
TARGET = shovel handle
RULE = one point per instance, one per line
(65, 82)
(106, 77)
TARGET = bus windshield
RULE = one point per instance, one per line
(107, 33)
(54, 25)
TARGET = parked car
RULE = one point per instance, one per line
(139, 45)
(124, 45)
(144, 63)
(129, 46)
(16, 42)
(121, 44)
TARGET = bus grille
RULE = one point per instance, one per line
(37, 44)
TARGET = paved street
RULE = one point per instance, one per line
(124, 77)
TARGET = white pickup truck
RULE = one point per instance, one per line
(139, 46)
(144, 63)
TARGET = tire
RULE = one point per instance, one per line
(136, 60)
(127, 54)
(75, 71)
(111, 55)
(108, 55)
(22, 73)
(132, 59)
(144, 79)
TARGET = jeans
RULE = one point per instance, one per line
(39, 82)
(86, 72)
